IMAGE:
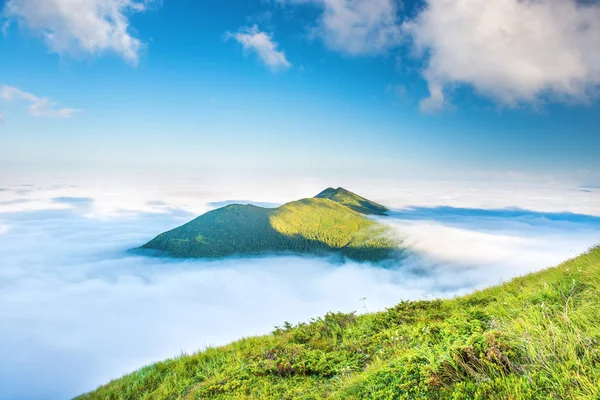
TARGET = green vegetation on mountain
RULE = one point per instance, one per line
(318, 225)
(352, 200)
(536, 337)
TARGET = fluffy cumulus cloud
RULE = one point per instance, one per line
(75, 26)
(359, 26)
(78, 309)
(356, 27)
(513, 51)
(261, 43)
(38, 106)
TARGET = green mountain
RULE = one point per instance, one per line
(334, 221)
(352, 200)
(536, 337)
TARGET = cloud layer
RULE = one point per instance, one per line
(38, 106)
(77, 310)
(512, 51)
(81, 26)
(255, 41)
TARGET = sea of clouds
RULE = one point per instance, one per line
(77, 309)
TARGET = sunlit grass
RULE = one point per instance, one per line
(535, 337)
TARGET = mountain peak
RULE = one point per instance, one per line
(352, 201)
(316, 226)
(333, 191)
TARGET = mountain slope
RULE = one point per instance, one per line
(536, 337)
(317, 225)
(352, 200)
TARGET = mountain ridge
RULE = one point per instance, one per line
(352, 201)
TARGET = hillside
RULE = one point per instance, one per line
(535, 337)
(317, 226)
(353, 201)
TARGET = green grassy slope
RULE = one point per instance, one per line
(536, 337)
(314, 225)
(353, 201)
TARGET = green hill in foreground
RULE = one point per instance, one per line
(535, 337)
(333, 221)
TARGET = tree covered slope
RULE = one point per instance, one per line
(316, 225)
(535, 337)
(353, 201)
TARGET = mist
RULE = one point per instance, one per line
(77, 309)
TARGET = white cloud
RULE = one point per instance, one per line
(491, 243)
(38, 106)
(4, 27)
(489, 192)
(436, 100)
(254, 40)
(513, 51)
(89, 26)
(357, 27)
(360, 27)
(1, 119)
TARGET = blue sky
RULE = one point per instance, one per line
(362, 86)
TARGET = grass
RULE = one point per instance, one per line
(535, 337)
(316, 225)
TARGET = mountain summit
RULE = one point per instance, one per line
(352, 200)
(332, 222)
